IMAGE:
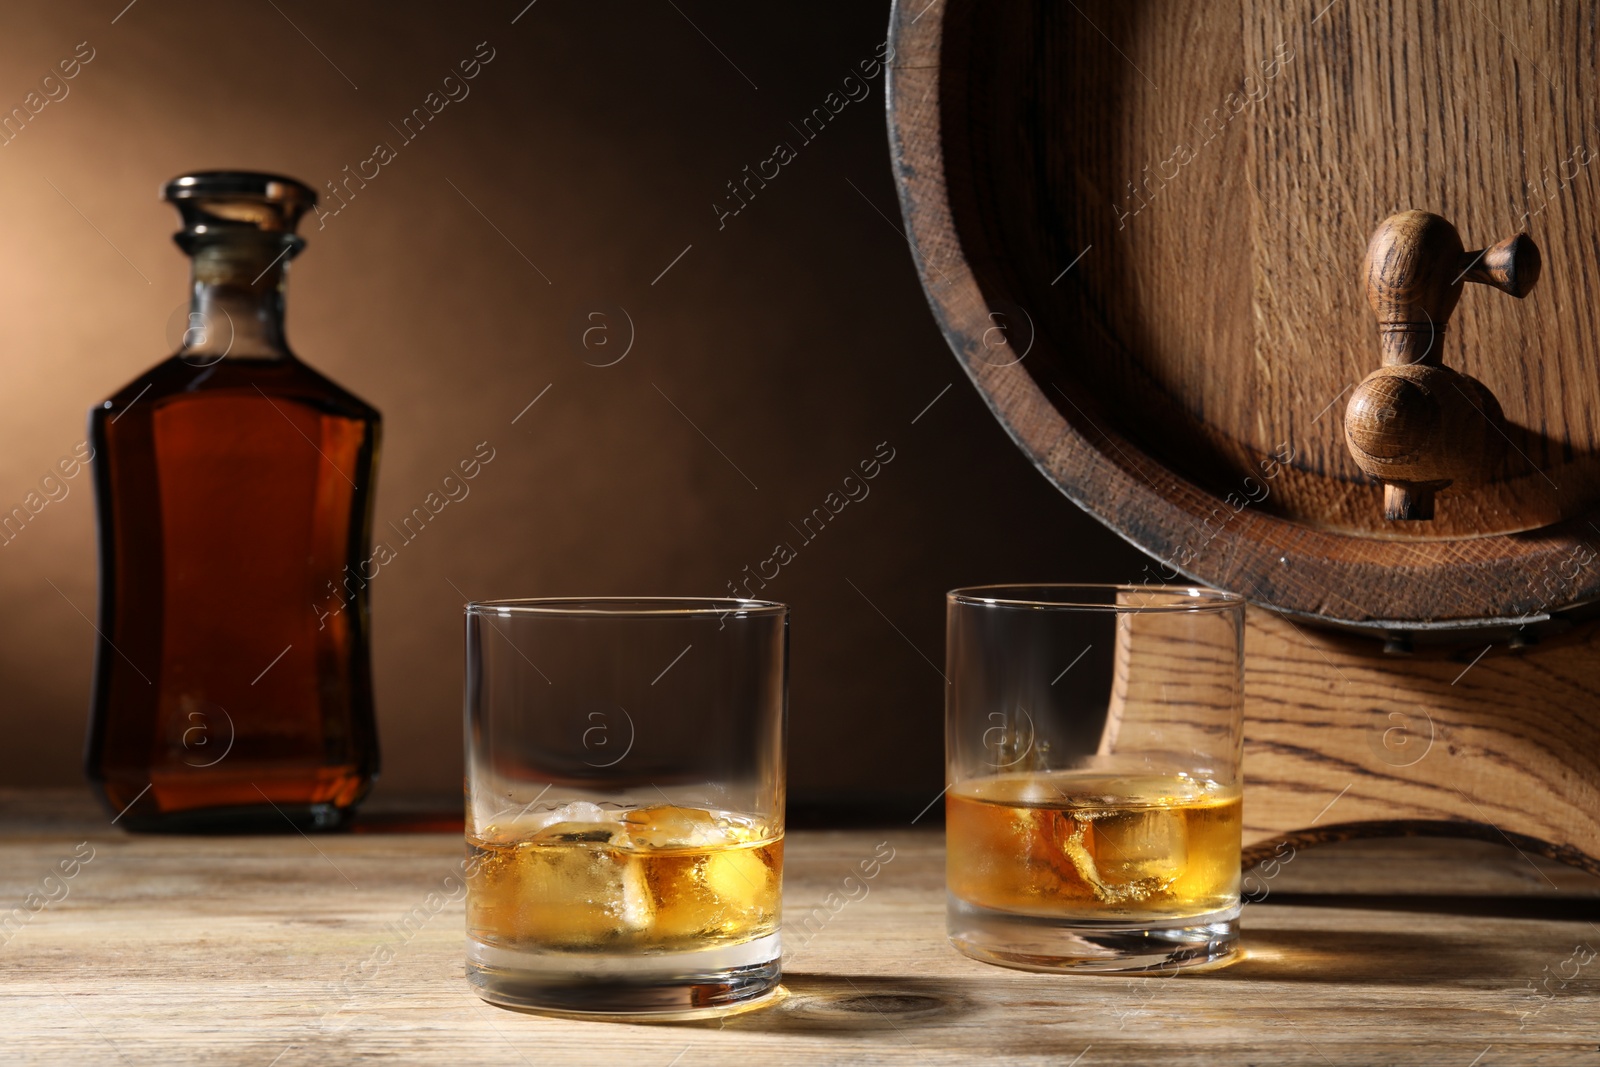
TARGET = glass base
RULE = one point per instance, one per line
(662, 986)
(1064, 945)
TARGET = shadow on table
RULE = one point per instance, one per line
(1378, 957)
(822, 1003)
(1500, 906)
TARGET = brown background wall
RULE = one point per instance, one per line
(591, 148)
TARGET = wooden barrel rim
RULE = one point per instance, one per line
(1492, 581)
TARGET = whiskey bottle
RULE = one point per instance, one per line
(233, 490)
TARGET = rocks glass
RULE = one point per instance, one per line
(1093, 746)
(625, 796)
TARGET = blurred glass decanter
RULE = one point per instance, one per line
(233, 486)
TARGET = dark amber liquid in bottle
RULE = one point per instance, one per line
(232, 681)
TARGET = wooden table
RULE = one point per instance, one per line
(287, 951)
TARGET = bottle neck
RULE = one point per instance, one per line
(237, 298)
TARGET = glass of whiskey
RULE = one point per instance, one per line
(1093, 746)
(624, 804)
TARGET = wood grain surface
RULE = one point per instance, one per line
(1142, 225)
(287, 951)
(1342, 740)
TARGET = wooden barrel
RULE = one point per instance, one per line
(1212, 266)
(1142, 227)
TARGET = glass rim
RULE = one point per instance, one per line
(628, 607)
(1198, 598)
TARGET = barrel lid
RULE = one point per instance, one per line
(1143, 236)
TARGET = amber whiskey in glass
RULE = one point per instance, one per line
(233, 489)
(658, 879)
(1094, 847)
